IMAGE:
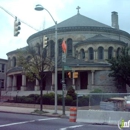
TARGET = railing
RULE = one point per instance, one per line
(104, 101)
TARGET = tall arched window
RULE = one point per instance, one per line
(82, 54)
(118, 52)
(100, 53)
(69, 47)
(110, 52)
(52, 47)
(60, 47)
(14, 61)
(91, 53)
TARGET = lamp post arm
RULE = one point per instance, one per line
(51, 16)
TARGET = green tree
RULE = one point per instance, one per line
(120, 69)
(34, 62)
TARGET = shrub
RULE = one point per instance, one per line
(71, 92)
(83, 101)
(74, 103)
(68, 100)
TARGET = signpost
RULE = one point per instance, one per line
(64, 48)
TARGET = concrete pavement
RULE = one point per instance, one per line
(31, 109)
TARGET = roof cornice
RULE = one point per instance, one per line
(79, 28)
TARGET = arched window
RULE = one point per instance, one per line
(14, 61)
(118, 52)
(44, 54)
(100, 53)
(60, 47)
(52, 47)
(37, 48)
(110, 52)
(69, 47)
(91, 53)
(82, 54)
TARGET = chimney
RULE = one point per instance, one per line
(114, 20)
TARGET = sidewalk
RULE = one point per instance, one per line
(30, 108)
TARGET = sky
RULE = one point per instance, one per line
(99, 10)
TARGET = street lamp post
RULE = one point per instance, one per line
(40, 8)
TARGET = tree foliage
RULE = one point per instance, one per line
(34, 62)
(120, 68)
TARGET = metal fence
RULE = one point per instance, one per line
(104, 101)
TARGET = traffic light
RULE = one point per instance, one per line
(17, 24)
(75, 74)
(69, 74)
(45, 41)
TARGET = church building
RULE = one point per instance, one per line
(89, 44)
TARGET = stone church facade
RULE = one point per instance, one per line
(89, 44)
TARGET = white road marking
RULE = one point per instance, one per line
(75, 126)
(24, 122)
(47, 119)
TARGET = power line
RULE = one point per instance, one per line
(18, 18)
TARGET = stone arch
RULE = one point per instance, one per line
(14, 61)
(69, 46)
(110, 52)
(100, 53)
(82, 54)
(91, 53)
(60, 47)
(52, 48)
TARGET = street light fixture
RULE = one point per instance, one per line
(40, 8)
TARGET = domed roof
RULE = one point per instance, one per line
(80, 20)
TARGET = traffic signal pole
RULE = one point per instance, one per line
(63, 88)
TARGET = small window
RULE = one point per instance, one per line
(69, 47)
(82, 54)
(91, 53)
(14, 61)
(52, 47)
(2, 83)
(100, 53)
(2, 67)
(118, 52)
(60, 46)
(110, 52)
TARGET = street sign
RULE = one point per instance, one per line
(63, 57)
(67, 68)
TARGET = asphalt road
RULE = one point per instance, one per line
(11, 121)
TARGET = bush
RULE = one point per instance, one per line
(71, 92)
(74, 103)
(83, 101)
(68, 100)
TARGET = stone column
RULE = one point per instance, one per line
(95, 55)
(14, 83)
(105, 54)
(53, 82)
(37, 87)
(86, 55)
(11, 62)
(9, 85)
(114, 53)
(23, 87)
(92, 77)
